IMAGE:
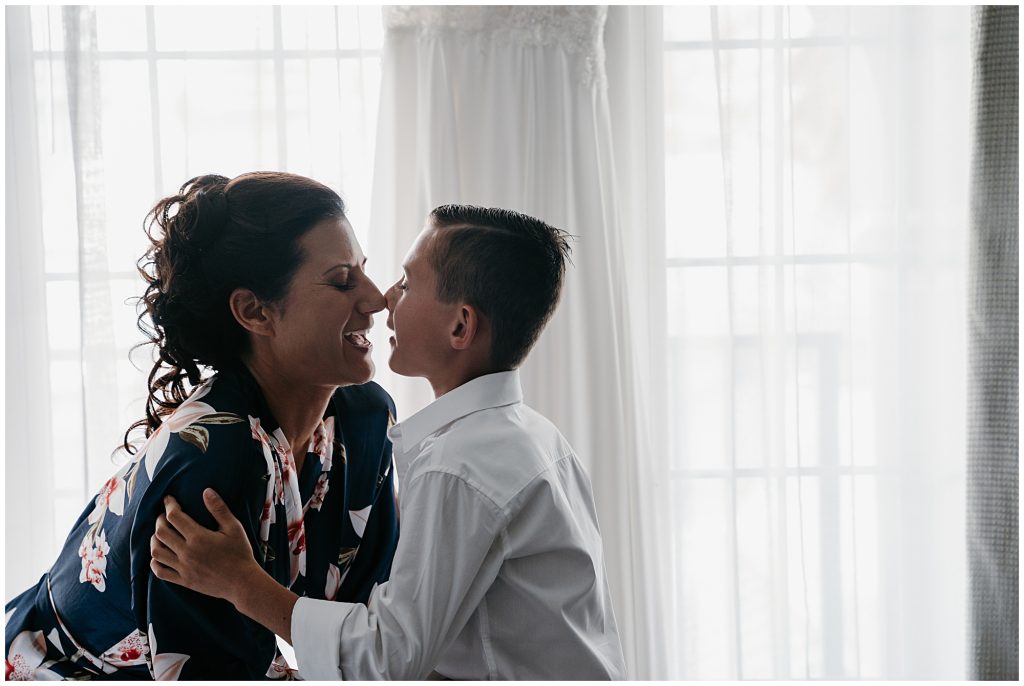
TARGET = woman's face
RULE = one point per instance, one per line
(320, 326)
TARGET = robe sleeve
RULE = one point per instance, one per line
(191, 635)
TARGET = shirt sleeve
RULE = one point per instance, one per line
(448, 556)
(192, 635)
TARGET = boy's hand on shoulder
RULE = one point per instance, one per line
(214, 563)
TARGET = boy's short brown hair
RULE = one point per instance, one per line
(507, 265)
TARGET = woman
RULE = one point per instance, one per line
(260, 279)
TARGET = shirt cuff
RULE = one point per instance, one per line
(316, 637)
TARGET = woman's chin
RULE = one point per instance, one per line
(363, 375)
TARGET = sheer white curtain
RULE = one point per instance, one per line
(816, 166)
(27, 445)
(761, 352)
(109, 109)
(508, 107)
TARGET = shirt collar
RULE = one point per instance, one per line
(482, 393)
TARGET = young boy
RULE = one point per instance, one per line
(499, 572)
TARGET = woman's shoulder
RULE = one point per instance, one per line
(367, 399)
(213, 425)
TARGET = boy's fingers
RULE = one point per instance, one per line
(185, 525)
(167, 534)
(161, 553)
(163, 572)
(219, 509)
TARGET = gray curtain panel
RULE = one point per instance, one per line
(992, 386)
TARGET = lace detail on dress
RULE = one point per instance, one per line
(579, 30)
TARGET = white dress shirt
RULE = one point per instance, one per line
(499, 572)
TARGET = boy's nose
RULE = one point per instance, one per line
(390, 298)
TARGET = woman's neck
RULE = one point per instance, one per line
(297, 409)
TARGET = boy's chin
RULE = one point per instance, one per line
(398, 368)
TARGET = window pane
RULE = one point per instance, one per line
(818, 87)
(370, 25)
(309, 28)
(803, 564)
(56, 167)
(698, 302)
(864, 645)
(805, 22)
(874, 365)
(329, 131)
(47, 28)
(695, 202)
(127, 161)
(823, 297)
(131, 399)
(756, 408)
(207, 128)
(63, 316)
(687, 23)
(747, 106)
(756, 298)
(736, 22)
(214, 28)
(703, 571)
(123, 298)
(120, 28)
(329, 28)
(757, 524)
(68, 436)
(700, 421)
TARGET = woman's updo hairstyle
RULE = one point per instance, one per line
(214, 236)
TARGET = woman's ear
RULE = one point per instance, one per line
(251, 312)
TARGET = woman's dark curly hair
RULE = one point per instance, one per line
(214, 236)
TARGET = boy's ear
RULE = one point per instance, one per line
(465, 328)
(250, 312)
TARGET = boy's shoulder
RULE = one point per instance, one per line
(515, 427)
(498, 451)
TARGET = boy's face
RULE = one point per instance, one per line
(420, 344)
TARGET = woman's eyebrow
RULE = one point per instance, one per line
(346, 265)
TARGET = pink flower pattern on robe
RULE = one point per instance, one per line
(94, 551)
(182, 418)
(26, 657)
(316, 565)
(130, 650)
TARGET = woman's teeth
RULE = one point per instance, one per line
(357, 339)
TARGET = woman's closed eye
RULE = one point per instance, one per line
(337, 285)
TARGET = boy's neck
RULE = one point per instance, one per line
(456, 376)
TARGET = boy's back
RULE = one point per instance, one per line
(548, 612)
(501, 572)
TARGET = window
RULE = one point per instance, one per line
(185, 91)
(814, 271)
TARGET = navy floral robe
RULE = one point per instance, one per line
(328, 532)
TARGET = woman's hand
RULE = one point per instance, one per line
(215, 563)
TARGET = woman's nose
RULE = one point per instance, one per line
(372, 300)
